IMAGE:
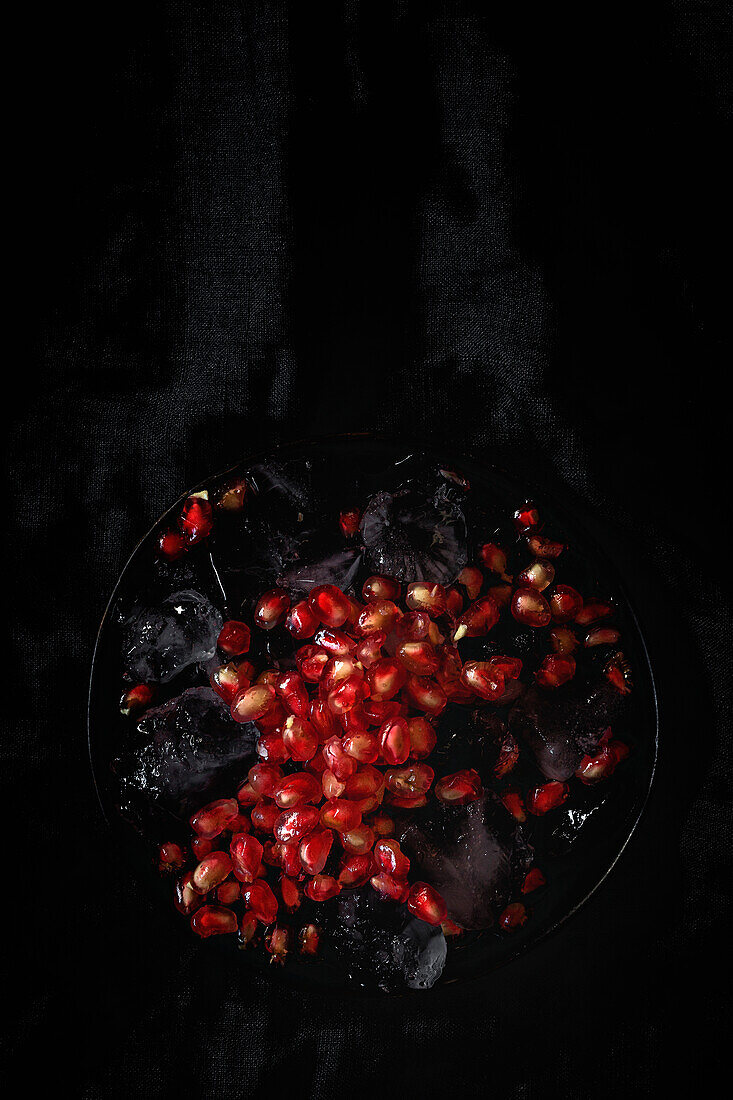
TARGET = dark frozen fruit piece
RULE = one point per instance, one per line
(160, 642)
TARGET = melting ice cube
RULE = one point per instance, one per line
(162, 641)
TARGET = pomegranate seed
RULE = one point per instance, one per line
(260, 899)
(296, 789)
(369, 649)
(228, 893)
(450, 928)
(170, 857)
(421, 596)
(212, 870)
(291, 688)
(501, 594)
(483, 678)
(247, 929)
(246, 855)
(329, 604)
(323, 721)
(264, 779)
(423, 738)
(565, 603)
(414, 626)
(349, 522)
(394, 888)
(172, 545)
(340, 815)
(378, 615)
(493, 558)
(289, 857)
(513, 802)
(539, 575)
(477, 620)
(563, 640)
(272, 748)
(322, 888)
(201, 847)
(394, 741)
(264, 815)
(271, 609)
(377, 712)
(513, 917)
(290, 893)
(459, 788)
(309, 939)
(555, 670)
(544, 548)
(335, 642)
(311, 661)
(234, 638)
(453, 603)
(301, 622)
(239, 824)
(196, 519)
(382, 825)
(186, 899)
(297, 823)
(391, 859)
(364, 747)
(601, 635)
(355, 721)
(337, 759)
(245, 794)
(386, 676)
(336, 671)
(314, 850)
(253, 703)
(592, 611)
(525, 518)
(356, 869)
(300, 739)
(136, 699)
(594, 768)
(213, 818)
(233, 497)
(530, 608)
(508, 756)
(277, 943)
(213, 920)
(413, 779)
(333, 787)
(472, 580)
(533, 880)
(381, 588)
(358, 841)
(425, 694)
(418, 657)
(426, 903)
(618, 673)
(540, 800)
(228, 680)
(367, 781)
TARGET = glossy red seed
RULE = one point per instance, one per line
(364, 747)
(329, 605)
(426, 903)
(340, 815)
(410, 780)
(349, 522)
(322, 888)
(309, 939)
(376, 616)
(170, 857)
(358, 841)
(424, 596)
(335, 642)
(391, 859)
(592, 769)
(563, 640)
(382, 825)
(201, 847)
(300, 739)
(212, 819)
(290, 893)
(555, 671)
(530, 608)
(228, 680)
(336, 671)
(513, 917)
(601, 635)
(311, 661)
(425, 694)
(314, 850)
(539, 575)
(228, 893)
(526, 518)
(394, 888)
(172, 545)
(423, 738)
(264, 815)
(247, 929)
(483, 678)
(592, 611)
(369, 649)
(253, 703)
(260, 899)
(533, 880)
(355, 869)
(272, 748)
(298, 788)
(493, 558)
(414, 626)
(246, 855)
(301, 621)
(472, 580)
(186, 899)
(293, 692)
(277, 943)
(135, 700)
(386, 676)
(234, 638)
(418, 657)
(618, 673)
(324, 722)
(540, 800)
(271, 608)
(394, 741)
(565, 603)
(514, 804)
(196, 519)
(459, 788)
(477, 620)
(212, 870)
(366, 781)
(245, 794)
(295, 824)
(213, 920)
(337, 759)
(264, 778)
(544, 548)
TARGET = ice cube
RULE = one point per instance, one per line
(162, 641)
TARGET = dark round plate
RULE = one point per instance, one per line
(578, 844)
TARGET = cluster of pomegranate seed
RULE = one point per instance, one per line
(347, 726)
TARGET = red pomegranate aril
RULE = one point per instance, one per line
(377, 711)
(290, 893)
(601, 635)
(272, 748)
(450, 928)
(213, 920)
(394, 888)
(378, 616)
(322, 888)
(555, 671)
(349, 521)
(472, 580)
(366, 781)
(493, 558)
(618, 673)
(301, 622)
(311, 661)
(212, 870)
(477, 620)
(260, 899)
(300, 787)
(422, 596)
(309, 939)
(594, 768)
(230, 679)
(418, 657)
(544, 548)
(364, 747)
(514, 803)
(391, 859)
(565, 603)
(381, 588)
(483, 678)
(423, 738)
(526, 518)
(382, 825)
(234, 638)
(459, 788)
(414, 626)
(289, 857)
(314, 850)
(335, 642)
(196, 519)
(508, 756)
(297, 823)
(329, 605)
(247, 929)
(358, 841)
(337, 759)
(539, 575)
(410, 780)
(170, 857)
(246, 795)
(201, 847)
(246, 855)
(453, 603)
(513, 917)
(394, 741)
(425, 694)
(212, 819)
(540, 800)
(253, 703)
(530, 608)
(264, 778)
(228, 893)
(264, 815)
(186, 899)
(591, 611)
(369, 649)
(172, 545)
(239, 824)
(336, 671)
(277, 943)
(300, 739)
(271, 608)
(407, 802)
(563, 640)
(324, 722)
(333, 787)
(533, 880)
(292, 690)
(426, 903)
(340, 815)
(386, 676)
(355, 869)
(136, 699)
(233, 497)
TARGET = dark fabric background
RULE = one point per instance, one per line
(490, 224)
